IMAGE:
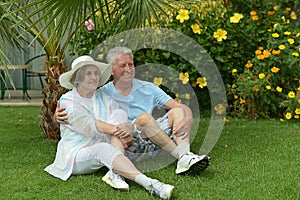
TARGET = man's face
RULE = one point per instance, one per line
(123, 69)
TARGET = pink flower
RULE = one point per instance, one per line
(89, 24)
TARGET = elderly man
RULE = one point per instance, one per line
(138, 98)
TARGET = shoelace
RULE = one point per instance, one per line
(117, 177)
(154, 190)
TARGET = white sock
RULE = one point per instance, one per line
(143, 180)
(180, 150)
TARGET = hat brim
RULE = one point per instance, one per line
(105, 73)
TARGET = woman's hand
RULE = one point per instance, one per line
(127, 141)
(124, 133)
(123, 130)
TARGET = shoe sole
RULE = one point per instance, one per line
(109, 182)
(201, 165)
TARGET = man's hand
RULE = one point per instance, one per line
(183, 127)
(60, 115)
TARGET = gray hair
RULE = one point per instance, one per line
(115, 52)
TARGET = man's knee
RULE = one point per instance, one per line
(144, 119)
(176, 113)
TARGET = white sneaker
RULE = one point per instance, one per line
(192, 163)
(115, 180)
(164, 191)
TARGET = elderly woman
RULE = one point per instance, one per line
(96, 130)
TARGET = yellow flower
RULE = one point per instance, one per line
(233, 86)
(266, 53)
(202, 82)
(268, 87)
(291, 41)
(281, 120)
(279, 89)
(184, 77)
(242, 101)
(296, 116)
(275, 26)
(261, 76)
(275, 69)
(298, 88)
(236, 18)
(220, 35)
(260, 57)
(183, 15)
(252, 13)
(291, 94)
(276, 52)
(158, 81)
(293, 15)
(256, 89)
(196, 28)
(220, 109)
(234, 71)
(255, 17)
(288, 115)
(276, 7)
(275, 35)
(226, 120)
(100, 56)
(281, 47)
(287, 33)
(177, 98)
(288, 9)
(295, 54)
(249, 64)
(187, 96)
(258, 52)
(297, 111)
(270, 13)
(235, 96)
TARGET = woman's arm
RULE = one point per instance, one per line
(121, 130)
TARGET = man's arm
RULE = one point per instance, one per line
(60, 115)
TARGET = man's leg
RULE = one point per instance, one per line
(181, 127)
(150, 130)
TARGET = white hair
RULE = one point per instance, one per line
(116, 52)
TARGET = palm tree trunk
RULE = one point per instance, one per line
(52, 92)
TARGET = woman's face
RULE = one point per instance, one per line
(90, 78)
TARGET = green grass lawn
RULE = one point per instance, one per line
(252, 160)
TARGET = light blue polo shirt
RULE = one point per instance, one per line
(143, 97)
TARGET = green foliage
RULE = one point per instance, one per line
(241, 39)
(232, 36)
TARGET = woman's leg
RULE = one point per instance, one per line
(92, 158)
(123, 166)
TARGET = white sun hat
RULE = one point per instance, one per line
(105, 71)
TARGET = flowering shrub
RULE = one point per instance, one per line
(256, 51)
(268, 83)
